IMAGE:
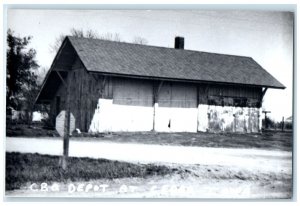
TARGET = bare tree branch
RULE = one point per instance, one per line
(140, 40)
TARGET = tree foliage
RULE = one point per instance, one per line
(84, 34)
(93, 35)
(140, 40)
(21, 78)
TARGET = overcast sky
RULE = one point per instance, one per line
(265, 36)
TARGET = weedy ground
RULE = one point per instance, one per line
(270, 140)
(36, 168)
(207, 181)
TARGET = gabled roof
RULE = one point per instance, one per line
(133, 60)
(160, 62)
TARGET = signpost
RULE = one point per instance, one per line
(66, 123)
(61, 121)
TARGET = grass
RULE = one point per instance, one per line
(272, 140)
(33, 130)
(35, 168)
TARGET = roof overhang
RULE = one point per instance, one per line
(62, 63)
(181, 80)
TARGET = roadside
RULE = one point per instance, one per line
(168, 187)
(269, 140)
(205, 172)
(173, 180)
(253, 159)
(25, 168)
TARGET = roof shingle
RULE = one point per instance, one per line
(159, 62)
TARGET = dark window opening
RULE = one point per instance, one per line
(57, 105)
(240, 102)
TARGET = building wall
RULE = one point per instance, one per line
(101, 104)
(85, 90)
(176, 108)
(228, 119)
(110, 117)
(132, 108)
(129, 109)
(229, 108)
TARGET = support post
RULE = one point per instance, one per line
(103, 86)
(156, 89)
(264, 92)
(282, 126)
(198, 101)
(66, 128)
(262, 95)
(266, 125)
(61, 78)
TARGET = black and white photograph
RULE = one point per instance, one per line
(149, 103)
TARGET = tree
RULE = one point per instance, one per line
(21, 77)
(111, 37)
(87, 34)
(140, 40)
(73, 32)
(93, 35)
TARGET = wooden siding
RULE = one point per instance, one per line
(133, 92)
(178, 95)
(88, 87)
(227, 95)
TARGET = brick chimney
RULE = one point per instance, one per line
(179, 42)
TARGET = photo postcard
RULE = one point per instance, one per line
(178, 103)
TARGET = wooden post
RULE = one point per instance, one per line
(262, 95)
(103, 86)
(66, 128)
(282, 125)
(156, 89)
(198, 102)
(266, 125)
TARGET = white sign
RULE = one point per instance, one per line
(60, 123)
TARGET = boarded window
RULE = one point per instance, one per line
(174, 94)
(227, 95)
(133, 92)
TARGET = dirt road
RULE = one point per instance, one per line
(250, 159)
(213, 172)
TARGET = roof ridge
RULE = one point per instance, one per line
(170, 63)
(161, 47)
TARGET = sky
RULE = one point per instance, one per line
(265, 36)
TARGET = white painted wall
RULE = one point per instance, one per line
(180, 119)
(228, 118)
(115, 117)
(202, 117)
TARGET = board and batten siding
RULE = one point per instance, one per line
(105, 103)
(85, 91)
(129, 109)
(176, 108)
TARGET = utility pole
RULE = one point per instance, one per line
(266, 125)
